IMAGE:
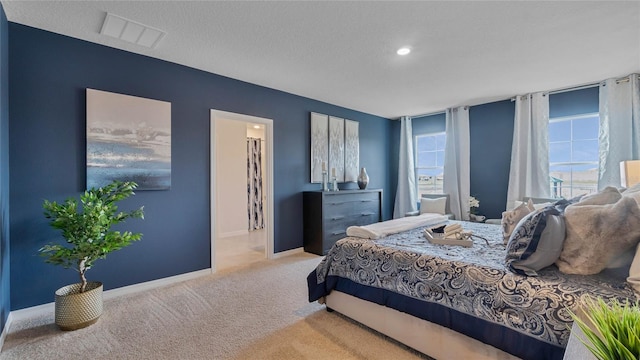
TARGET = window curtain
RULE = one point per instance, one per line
(619, 136)
(529, 173)
(406, 198)
(457, 181)
(254, 183)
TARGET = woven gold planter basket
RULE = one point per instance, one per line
(75, 310)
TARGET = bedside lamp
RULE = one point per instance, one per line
(629, 173)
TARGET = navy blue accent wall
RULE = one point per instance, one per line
(5, 289)
(574, 102)
(491, 137)
(419, 126)
(491, 133)
(49, 75)
(429, 124)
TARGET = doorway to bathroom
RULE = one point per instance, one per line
(241, 189)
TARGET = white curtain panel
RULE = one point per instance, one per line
(529, 172)
(406, 199)
(619, 136)
(457, 181)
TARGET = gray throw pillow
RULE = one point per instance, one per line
(536, 242)
(598, 234)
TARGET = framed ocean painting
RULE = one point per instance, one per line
(128, 139)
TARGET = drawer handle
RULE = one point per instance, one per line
(367, 214)
(337, 217)
(351, 201)
(337, 233)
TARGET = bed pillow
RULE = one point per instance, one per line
(634, 271)
(536, 242)
(511, 218)
(436, 206)
(538, 206)
(608, 195)
(597, 235)
(634, 189)
(633, 192)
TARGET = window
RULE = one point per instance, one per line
(573, 155)
(430, 163)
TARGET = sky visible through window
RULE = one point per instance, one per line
(430, 163)
(573, 155)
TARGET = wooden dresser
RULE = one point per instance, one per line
(328, 214)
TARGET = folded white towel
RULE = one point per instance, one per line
(452, 227)
(384, 228)
(452, 232)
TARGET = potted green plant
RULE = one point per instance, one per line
(87, 231)
(612, 330)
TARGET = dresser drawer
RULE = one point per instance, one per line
(329, 241)
(337, 198)
(343, 221)
(336, 207)
(328, 215)
(350, 209)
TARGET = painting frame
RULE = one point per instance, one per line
(319, 145)
(351, 150)
(128, 139)
(336, 148)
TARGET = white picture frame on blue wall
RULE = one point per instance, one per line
(128, 139)
(336, 148)
(319, 145)
(351, 150)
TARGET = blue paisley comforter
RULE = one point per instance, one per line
(472, 285)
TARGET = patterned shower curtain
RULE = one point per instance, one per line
(254, 184)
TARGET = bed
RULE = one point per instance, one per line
(456, 302)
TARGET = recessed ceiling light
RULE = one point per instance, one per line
(404, 50)
(256, 126)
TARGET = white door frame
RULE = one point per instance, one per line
(268, 127)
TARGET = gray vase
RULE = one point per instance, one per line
(363, 179)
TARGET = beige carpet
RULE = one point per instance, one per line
(256, 312)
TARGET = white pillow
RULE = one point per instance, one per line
(436, 206)
(634, 271)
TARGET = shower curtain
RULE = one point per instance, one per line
(254, 184)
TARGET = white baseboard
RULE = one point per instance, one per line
(233, 233)
(287, 253)
(39, 310)
(5, 331)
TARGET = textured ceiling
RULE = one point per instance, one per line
(464, 53)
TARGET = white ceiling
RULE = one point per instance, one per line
(344, 53)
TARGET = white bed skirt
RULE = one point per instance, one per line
(434, 340)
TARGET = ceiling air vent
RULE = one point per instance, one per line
(131, 31)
